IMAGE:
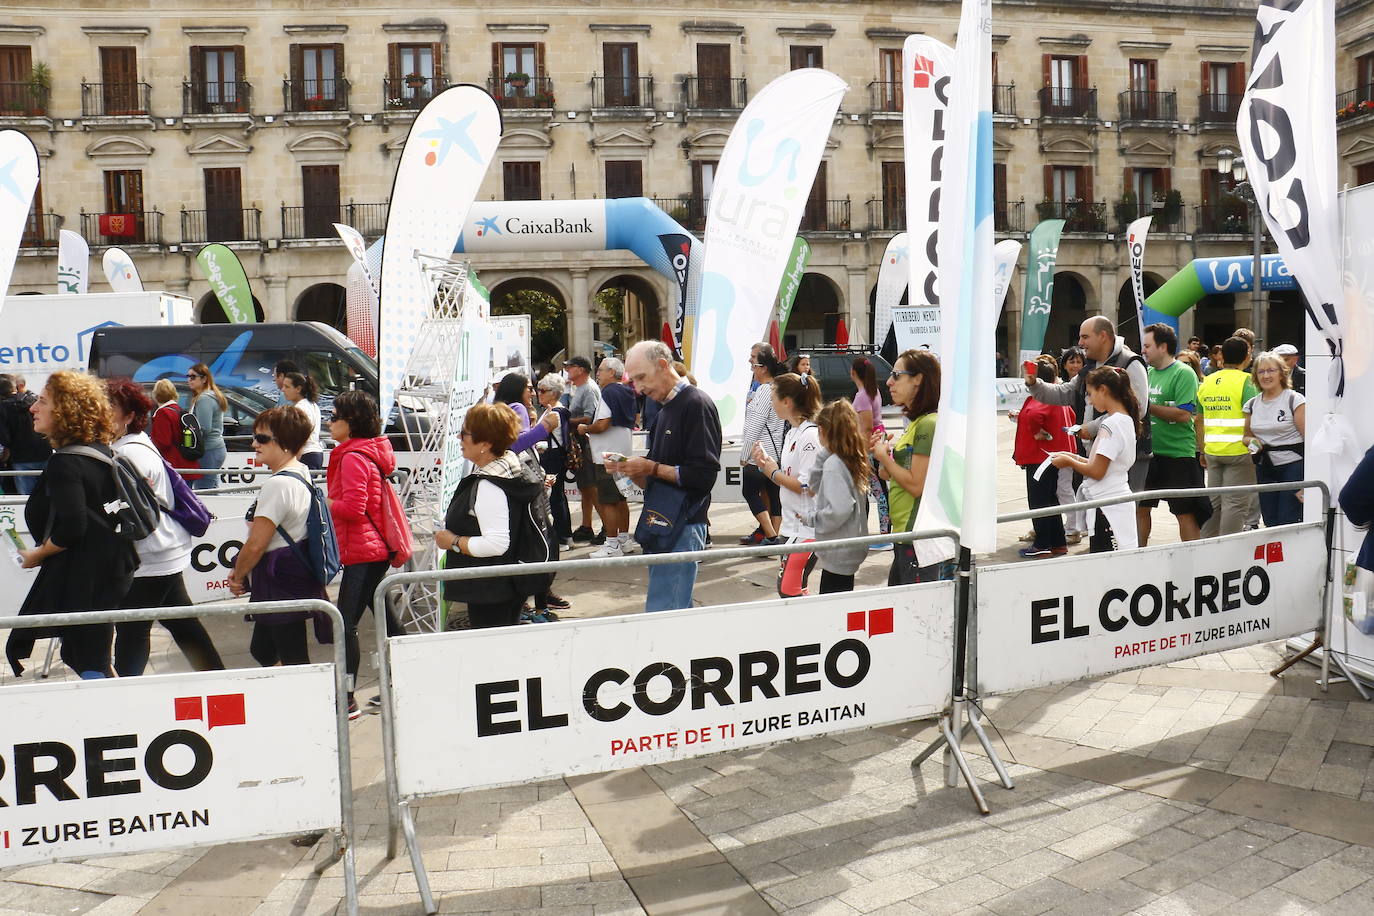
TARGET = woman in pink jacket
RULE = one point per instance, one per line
(358, 470)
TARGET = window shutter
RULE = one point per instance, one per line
(1049, 182)
(1166, 179)
(994, 68)
(539, 71)
(1085, 183)
(197, 64)
(1154, 76)
(1046, 62)
(437, 52)
(496, 75)
(1236, 80)
(296, 75)
(338, 50)
(241, 63)
(393, 66)
(1127, 181)
(1206, 78)
(1080, 66)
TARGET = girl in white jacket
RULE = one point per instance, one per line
(840, 481)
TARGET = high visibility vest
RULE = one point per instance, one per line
(1222, 395)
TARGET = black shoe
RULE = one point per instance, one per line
(750, 540)
(582, 535)
(375, 702)
(599, 538)
(556, 602)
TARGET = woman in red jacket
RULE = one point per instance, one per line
(358, 468)
(166, 428)
(1039, 431)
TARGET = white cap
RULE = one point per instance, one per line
(1285, 350)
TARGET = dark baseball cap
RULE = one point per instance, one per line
(580, 362)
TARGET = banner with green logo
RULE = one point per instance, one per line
(228, 282)
(791, 281)
(1035, 308)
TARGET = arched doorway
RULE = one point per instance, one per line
(209, 311)
(1127, 322)
(323, 302)
(544, 304)
(815, 313)
(1068, 308)
(626, 310)
(1216, 317)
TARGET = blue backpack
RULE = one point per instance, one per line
(321, 550)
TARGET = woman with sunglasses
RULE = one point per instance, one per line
(915, 387)
(208, 405)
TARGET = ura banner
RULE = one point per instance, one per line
(927, 66)
(608, 693)
(1096, 614)
(1035, 304)
(768, 165)
(73, 263)
(228, 282)
(120, 271)
(18, 179)
(445, 157)
(137, 765)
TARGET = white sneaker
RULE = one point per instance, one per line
(628, 546)
(609, 549)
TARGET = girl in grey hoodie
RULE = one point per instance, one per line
(839, 480)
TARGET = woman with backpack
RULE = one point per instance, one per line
(357, 484)
(83, 563)
(1275, 422)
(163, 555)
(208, 405)
(166, 429)
(274, 562)
(301, 392)
(492, 521)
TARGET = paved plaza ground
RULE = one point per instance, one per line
(1199, 787)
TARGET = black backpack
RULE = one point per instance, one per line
(190, 440)
(134, 513)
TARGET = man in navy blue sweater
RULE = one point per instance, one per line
(684, 452)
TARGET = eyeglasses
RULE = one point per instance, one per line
(898, 373)
(190, 375)
(263, 438)
(465, 435)
(332, 417)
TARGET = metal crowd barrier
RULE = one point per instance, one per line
(951, 721)
(344, 831)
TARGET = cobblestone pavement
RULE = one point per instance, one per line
(1203, 786)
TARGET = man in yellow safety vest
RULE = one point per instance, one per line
(1227, 459)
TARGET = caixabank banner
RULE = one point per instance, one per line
(586, 696)
(1096, 614)
(164, 762)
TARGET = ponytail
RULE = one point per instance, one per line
(868, 376)
(766, 357)
(309, 390)
(1118, 385)
(802, 390)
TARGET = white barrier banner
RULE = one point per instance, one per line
(166, 762)
(586, 696)
(1097, 614)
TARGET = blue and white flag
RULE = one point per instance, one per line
(18, 179)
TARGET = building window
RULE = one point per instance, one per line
(803, 56)
(1364, 76)
(1000, 214)
(124, 197)
(317, 82)
(703, 180)
(894, 195)
(1069, 188)
(320, 194)
(16, 67)
(223, 205)
(521, 180)
(1066, 86)
(1222, 88)
(621, 63)
(217, 84)
(1364, 173)
(624, 178)
(890, 79)
(815, 217)
(119, 81)
(414, 74)
(713, 76)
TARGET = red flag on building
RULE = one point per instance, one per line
(121, 225)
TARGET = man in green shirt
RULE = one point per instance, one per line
(1174, 464)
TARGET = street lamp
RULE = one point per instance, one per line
(1230, 162)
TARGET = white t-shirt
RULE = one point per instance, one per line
(1272, 423)
(798, 458)
(168, 549)
(286, 503)
(1115, 439)
(614, 439)
(312, 412)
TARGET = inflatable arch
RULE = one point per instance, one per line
(634, 224)
(1206, 276)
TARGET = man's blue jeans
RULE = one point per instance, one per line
(670, 585)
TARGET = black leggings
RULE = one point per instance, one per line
(279, 642)
(498, 614)
(760, 493)
(357, 585)
(832, 583)
(131, 640)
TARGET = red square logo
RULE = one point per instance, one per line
(225, 709)
(1274, 552)
(856, 620)
(880, 621)
(1259, 552)
(187, 708)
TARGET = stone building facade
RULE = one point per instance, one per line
(261, 126)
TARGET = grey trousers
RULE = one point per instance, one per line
(1232, 511)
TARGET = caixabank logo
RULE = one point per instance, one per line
(671, 702)
(47, 774)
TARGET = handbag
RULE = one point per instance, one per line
(665, 516)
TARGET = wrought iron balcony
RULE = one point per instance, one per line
(1063, 102)
(40, 230)
(1137, 105)
(108, 100)
(1166, 218)
(622, 92)
(1078, 215)
(1355, 104)
(885, 96)
(221, 225)
(1217, 109)
(143, 228)
(23, 100)
(887, 214)
(716, 93)
(402, 94)
(1009, 216)
(315, 94)
(312, 222)
(1230, 217)
(1004, 100)
(826, 216)
(369, 219)
(535, 92)
(213, 97)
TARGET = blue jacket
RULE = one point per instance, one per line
(1357, 502)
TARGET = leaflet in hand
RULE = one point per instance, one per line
(1040, 471)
